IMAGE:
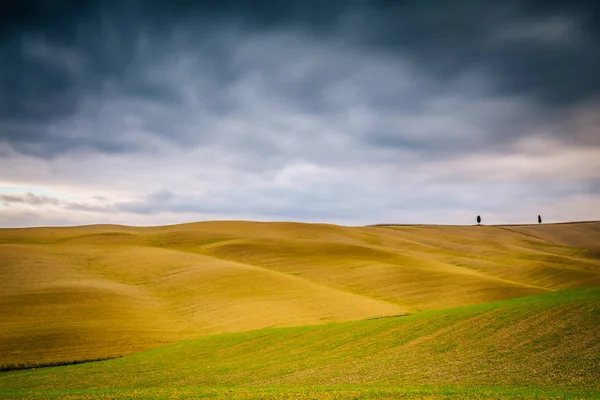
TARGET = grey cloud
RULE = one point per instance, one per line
(87, 207)
(344, 201)
(457, 37)
(273, 201)
(67, 54)
(39, 200)
(299, 109)
(28, 198)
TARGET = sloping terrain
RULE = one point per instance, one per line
(543, 342)
(103, 291)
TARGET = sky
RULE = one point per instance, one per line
(351, 112)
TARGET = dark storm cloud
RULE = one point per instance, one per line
(344, 111)
(545, 49)
(58, 55)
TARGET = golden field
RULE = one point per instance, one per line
(89, 292)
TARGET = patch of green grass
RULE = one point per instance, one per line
(310, 392)
(544, 346)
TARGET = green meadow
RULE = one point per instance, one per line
(299, 311)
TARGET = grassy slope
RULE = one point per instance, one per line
(534, 345)
(99, 291)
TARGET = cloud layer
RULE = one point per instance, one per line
(350, 112)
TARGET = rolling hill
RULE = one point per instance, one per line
(542, 346)
(77, 293)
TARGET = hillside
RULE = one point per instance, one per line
(103, 291)
(545, 346)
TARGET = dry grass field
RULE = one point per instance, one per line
(77, 293)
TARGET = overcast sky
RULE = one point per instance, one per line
(343, 111)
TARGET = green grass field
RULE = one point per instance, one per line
(284, 310)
